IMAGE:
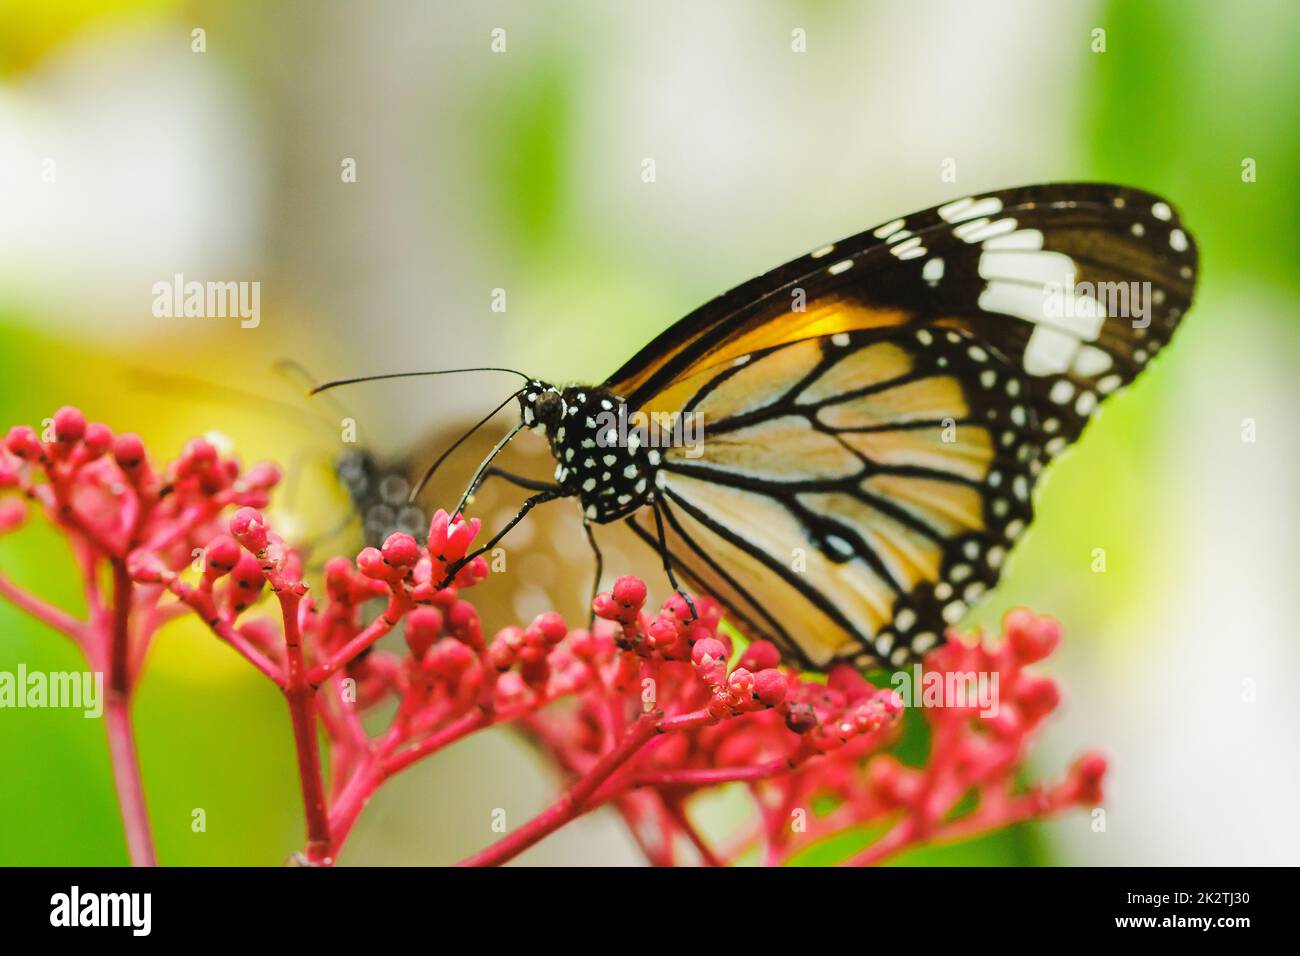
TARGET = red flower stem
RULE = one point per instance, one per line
(707, 777)
(698, 718)
(302, 710)
(353, 798)
(398, 605)
(462, 726)
(577, 801)
(126, 777)
(677, 813)
(661, 855)
(904, 833)
(47, 614)
(117, 723)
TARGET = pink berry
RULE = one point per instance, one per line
(69, 424)
(400, 550)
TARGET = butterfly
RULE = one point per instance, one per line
(853, 438)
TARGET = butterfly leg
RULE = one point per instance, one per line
(668, 561)
(549, 495)
(518, 481)
(600, 570)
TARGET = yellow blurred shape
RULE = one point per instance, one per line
(31, 29)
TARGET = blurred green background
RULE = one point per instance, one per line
(521, 170)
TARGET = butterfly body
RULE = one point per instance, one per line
(610, 469)
(379, 496)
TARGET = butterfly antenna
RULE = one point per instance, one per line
(296, 374)
(376, 378)
(429, 472)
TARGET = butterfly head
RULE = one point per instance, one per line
(541, 407)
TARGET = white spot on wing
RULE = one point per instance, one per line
(888, 229)
(1091, 361)
(970, 208)
(909, 249)
(1049, 351)
(1020, 239)
(981, 230)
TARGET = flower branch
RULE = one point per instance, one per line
(640, 714)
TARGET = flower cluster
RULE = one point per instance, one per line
(101, 491)
(641, 711)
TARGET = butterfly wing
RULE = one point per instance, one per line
(868, 458)
(854, 492)
(1079, 283)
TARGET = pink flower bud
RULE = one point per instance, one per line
(338, 579)
(770, 687)
(128, 451)
(552, 627)
(370, 562)
(400, 550)
(583, 645)
(24, 444)
(9, 466)
(423, 625)
(198, 456)
(630, 592)
(1037, 696)
(846, 679)
(605, 606)
(450, 659)
(449, 540)
(472, 573)
(1007, 722)
(249, 528)
(676, 606)
(760, 655)
(221, 555)
(145, 567)
(98, 439)
(710, 649)
(1031, 637)
(504, 650)
(246, 582)
(1087, 774)
(801, 718)
(462, 619)
(69, 425)
(262, 475)
(740, 684)
(662, 633)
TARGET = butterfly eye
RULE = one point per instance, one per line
(548, 409)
